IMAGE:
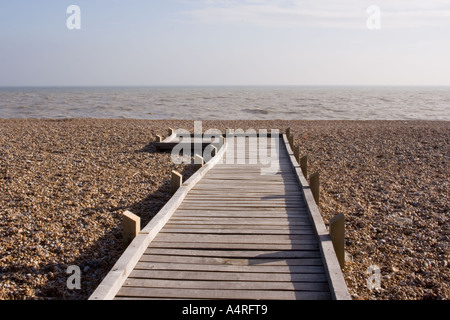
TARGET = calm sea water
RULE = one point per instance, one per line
(208, 103)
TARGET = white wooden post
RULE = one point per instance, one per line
(314, 184)
(198, 162)
(131, 226)
(337, 234)
(177, 180)
(304, 166)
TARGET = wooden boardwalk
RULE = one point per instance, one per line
(239, 230)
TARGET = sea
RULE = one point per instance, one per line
(228, 103)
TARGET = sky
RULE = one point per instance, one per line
(225, 42)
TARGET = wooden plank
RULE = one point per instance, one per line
(231, 246)
(252, 179)
(285, 197)
(251, 182)
(227, 268)
(235, 223)
(227, 285)
(235, 213)
(292, 213)
(171, 230)
(244, 204)
(250, 193)
(243, 220)
(236, 195)
(222, 294)
(227, 276)
(240, 238)
(237, 207)
(241, 206)
(238, 227)
(234, 200)
(232, 261)
(236, 253)
(281, 189)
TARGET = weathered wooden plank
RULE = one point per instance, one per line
(221, 184)
(237, 195)
(258, 225)
(240, 238)
(245, 203)
(241, 206)
(171, 230)
(257, 222)
(227, 285)
(227, 276)
(234, 200)
(231, 246)
(227, 268)
(238, 224)
(251, 180)
(237, 213)
(231, 261)
(222, 294)
(248, 254)
(238, 207)
(243, 220)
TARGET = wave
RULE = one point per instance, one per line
(256, 111)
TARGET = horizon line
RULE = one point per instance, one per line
(223, 85)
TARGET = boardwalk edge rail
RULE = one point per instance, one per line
(113, 281)
(333, 270)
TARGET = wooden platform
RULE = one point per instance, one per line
(238, 229)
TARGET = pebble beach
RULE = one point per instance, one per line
(64, 185)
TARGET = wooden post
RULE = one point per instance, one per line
(314, 184)
(198, 162)
(304, 166)
(297, 154)
(159, 138)
(177, 180)
(170, 131)
(337, 234)
(228, 133)
(291, 140)
(131, 226)
(288, 132)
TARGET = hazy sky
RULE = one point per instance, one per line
(224, 42)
